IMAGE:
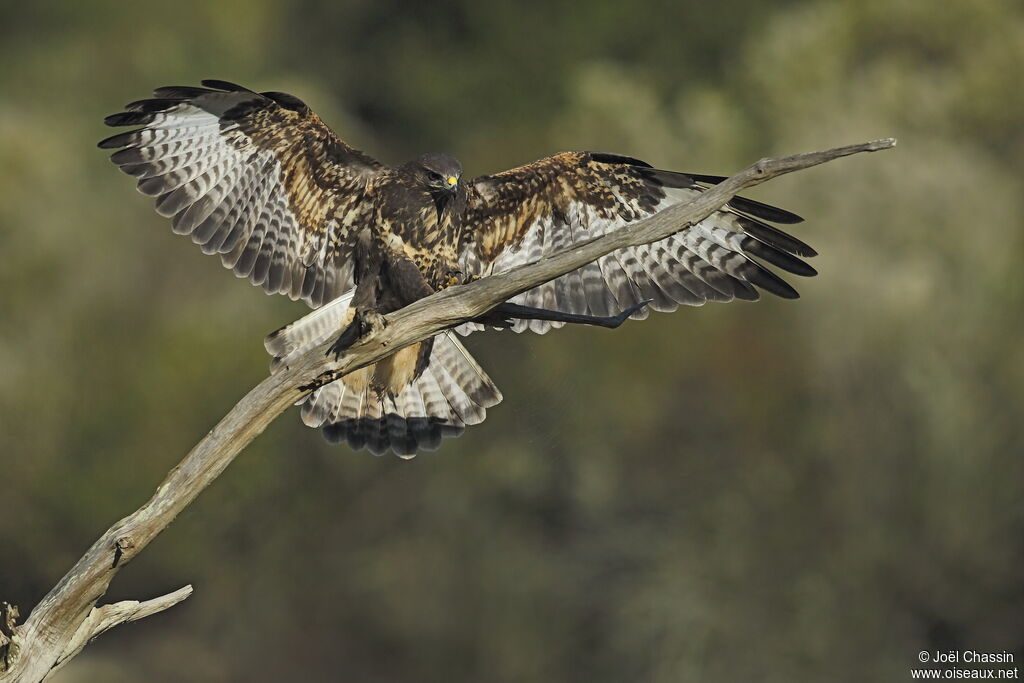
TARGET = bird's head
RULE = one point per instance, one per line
(440, 173)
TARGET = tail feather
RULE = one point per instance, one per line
(399, 431)
(422, 429)
(373, 423)
(466, 372)
(318, 408)
(449, 424)
(461, 404)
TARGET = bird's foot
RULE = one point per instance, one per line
(363, 324)
(449, 277)
(504, 314)
(373, 322)
(345, 340)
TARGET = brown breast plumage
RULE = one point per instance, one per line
(412, 224)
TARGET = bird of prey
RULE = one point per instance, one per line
(259, 180)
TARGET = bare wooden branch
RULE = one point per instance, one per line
(65, 619)
(102, 619)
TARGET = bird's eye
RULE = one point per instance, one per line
(433, 176)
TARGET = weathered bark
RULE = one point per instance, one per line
(64, 621)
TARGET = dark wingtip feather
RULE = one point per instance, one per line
(770, 282)
(287, 101)
(763, 211)
(181, 92)
(744, 291)
(775, 237)
(118, 140)
(128, 156)
(152, 105)
(669, 178)
(609, 158)
(778, 257)
(129, 118)
(707, 179)
(224, 85)
(751, 206)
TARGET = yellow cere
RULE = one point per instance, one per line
(452, 180)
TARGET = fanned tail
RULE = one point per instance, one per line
(449, 391)
(405, 403)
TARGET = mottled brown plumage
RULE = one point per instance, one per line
(260, 180)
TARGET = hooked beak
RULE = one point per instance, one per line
(452, 183)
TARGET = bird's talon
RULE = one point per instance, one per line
(337, 350)
(373, 322)
(346, 339)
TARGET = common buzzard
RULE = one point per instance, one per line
(258, 179)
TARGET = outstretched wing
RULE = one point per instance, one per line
(521, 215)
(255, 177)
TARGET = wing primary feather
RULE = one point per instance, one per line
(751, 206)
(708, 179)
(775, 237)
(777, 257)
(129, 118)
(226, 86)
(609, 158)
(180, 92)
(770, 282)
(152, 104)
(764, 211)
(119, 139)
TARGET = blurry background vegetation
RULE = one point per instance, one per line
(810, 490)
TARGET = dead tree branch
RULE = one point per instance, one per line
(102, 619)
(64, 621)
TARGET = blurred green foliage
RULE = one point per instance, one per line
(810, 490)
